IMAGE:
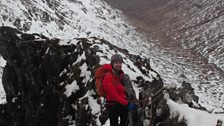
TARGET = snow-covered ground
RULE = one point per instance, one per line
(2, 93)
(193, 117)
(88, 18)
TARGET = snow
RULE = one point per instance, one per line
(92, 102)
(2, 93)
(80, 58)
(85, 73)
(193, 117)
(72, 88)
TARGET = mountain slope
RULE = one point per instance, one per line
(198, 26)
(188, 34)
(69, 19)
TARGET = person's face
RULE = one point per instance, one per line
(117, 65)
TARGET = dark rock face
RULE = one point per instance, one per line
(30, 79)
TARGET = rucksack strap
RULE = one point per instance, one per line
(128, 87)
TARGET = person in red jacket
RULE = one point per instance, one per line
(117, 104)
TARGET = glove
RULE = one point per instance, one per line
(132, 106)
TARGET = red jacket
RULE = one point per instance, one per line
(114, 88)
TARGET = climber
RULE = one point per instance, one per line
(117, 104)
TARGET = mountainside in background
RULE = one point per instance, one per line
(197, 25)
(191, 34)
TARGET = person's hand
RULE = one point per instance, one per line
(132, 106)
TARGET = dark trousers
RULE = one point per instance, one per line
(116, 111)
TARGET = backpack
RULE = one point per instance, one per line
(130, 92)
(99, 75)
